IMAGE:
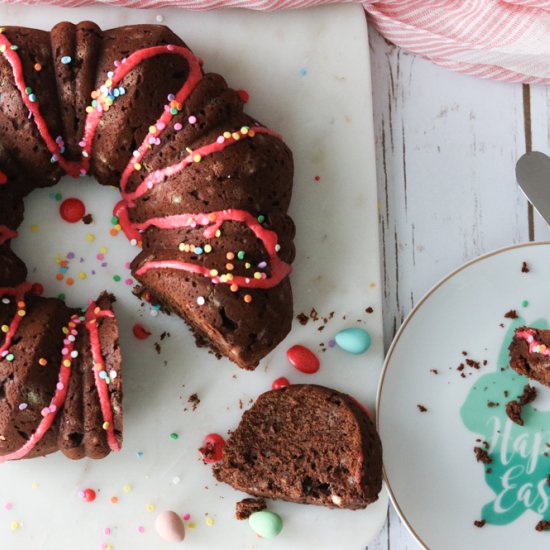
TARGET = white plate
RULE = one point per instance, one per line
(310, 81)
(433, 478)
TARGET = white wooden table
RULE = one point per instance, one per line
(446, 147)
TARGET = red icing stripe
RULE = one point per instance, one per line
(214, 220)
(535, 346)
(6, 234)
(217, 146)
(92, 315)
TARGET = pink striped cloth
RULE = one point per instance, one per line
(505, 40)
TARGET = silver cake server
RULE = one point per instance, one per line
(533, 175)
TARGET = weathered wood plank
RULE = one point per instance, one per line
(540, 136)
(446, 149)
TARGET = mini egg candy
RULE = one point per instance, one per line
(303, 359)
(353, 340)
(266, 524)
(169, 526)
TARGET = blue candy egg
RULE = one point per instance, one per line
(353, 340)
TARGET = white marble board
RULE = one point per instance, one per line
(307, 73)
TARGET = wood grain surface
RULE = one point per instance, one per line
(446, 149)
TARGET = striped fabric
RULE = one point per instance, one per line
(506, 40)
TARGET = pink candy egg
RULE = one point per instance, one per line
(169, 526)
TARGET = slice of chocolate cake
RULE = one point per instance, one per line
(530, 354)
(306, 444)
(81, 431)
(60, 378)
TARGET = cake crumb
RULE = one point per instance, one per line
(434, 371)
(482, 455)
(422, 408)
(529, 395)
(492, 404)
(542, 525)
(194, 400)
(512, 314)
(369, 310)
(158, 349)
(248, 506)
(513, 410)
(88, 219)
(302, 319)
(548, 480)
(525, 267)
(479, 523)
(474, 364)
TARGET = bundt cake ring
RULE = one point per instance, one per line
(204, 192)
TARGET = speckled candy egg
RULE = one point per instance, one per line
(170, 526)
(266, 524)
(353, 340)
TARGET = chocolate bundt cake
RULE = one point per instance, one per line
(307, 444)
(60, 379)
(530, 354)
(205, 188)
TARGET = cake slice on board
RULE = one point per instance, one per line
(307, 444)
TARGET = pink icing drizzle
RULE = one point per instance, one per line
(279, 269)
(92, 314)
(219, 145)
(6, 234)
(528, 335)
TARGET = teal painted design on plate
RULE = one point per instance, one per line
(521, 459)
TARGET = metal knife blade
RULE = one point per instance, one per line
(533, 175)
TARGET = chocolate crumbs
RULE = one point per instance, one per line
(248, 506)
(524, 267)
(194, 400)
(479, 523)
(482, 455)
(421, 408)
(302, 318)
(512, 314)
(528, 396)
(542, 525)
(513, 410)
